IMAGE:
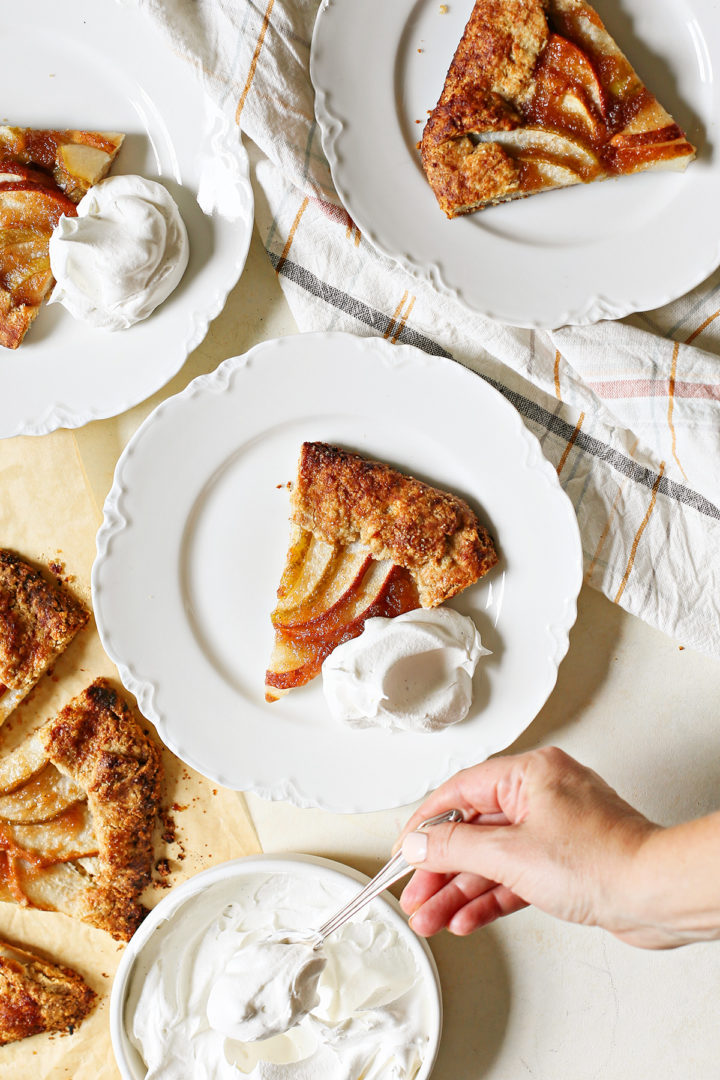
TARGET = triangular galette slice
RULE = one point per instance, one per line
(38, 620)
(366, 540)
(78, 804)
(43, 174)
(539, 96)
(37, 995)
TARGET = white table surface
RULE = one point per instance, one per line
(529, 996)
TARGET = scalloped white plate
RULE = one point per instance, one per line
(98, 65)
(194, 541)
(575, 256)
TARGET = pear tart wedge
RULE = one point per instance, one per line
(78, 804)
(43, 174)
(37, 995)
(38, 620)
(539, 96)
(366, 540)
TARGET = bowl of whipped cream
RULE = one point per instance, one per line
(221, 981)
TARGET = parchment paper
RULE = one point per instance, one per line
(48, 514)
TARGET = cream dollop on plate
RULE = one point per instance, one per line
(413, 672)
(122, 255)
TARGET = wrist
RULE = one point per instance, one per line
(622, 887)
(670, 894)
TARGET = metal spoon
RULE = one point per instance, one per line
(396, 867)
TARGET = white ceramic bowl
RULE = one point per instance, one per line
(385, 908)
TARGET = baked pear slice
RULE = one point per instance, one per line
(78, 812)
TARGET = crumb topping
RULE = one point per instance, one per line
(345, 498)
(38, 618)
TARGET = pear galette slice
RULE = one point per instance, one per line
(366, 540)
(78, 804)
(539, 96)
(38, 619)
(37, 995)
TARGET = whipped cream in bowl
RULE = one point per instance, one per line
(413, 672)
(221, 981)
(122, 255)
(267, 987)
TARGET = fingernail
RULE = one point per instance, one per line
(415, 847)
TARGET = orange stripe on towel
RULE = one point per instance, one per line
(702, 326)
(399, 318)
(571, 442)
(558, 358)
(352, 233)
(288, 243)
(403, 319)
(253, 62)
(611, 517)
(638, 534)
(671, 403)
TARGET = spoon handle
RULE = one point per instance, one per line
(392, 871)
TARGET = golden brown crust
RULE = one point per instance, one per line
(496, 57)
(463, 174)
(15, 319)
(37, 995)
(345, 498)
(97, 742)
(546, 66)
(38, 619)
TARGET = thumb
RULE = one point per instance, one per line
(452, 848)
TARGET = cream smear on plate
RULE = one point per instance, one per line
(364, 1011)
(122, 255)
(413, 672)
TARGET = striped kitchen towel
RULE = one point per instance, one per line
(628, 412)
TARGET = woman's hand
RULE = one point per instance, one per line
(539, 829)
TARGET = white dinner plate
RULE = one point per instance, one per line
(573, 256)
(194, 539)
(98, 65)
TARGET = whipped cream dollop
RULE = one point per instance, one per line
(371, 1013)
(266, 989)
(410, 673)
(122, 255)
